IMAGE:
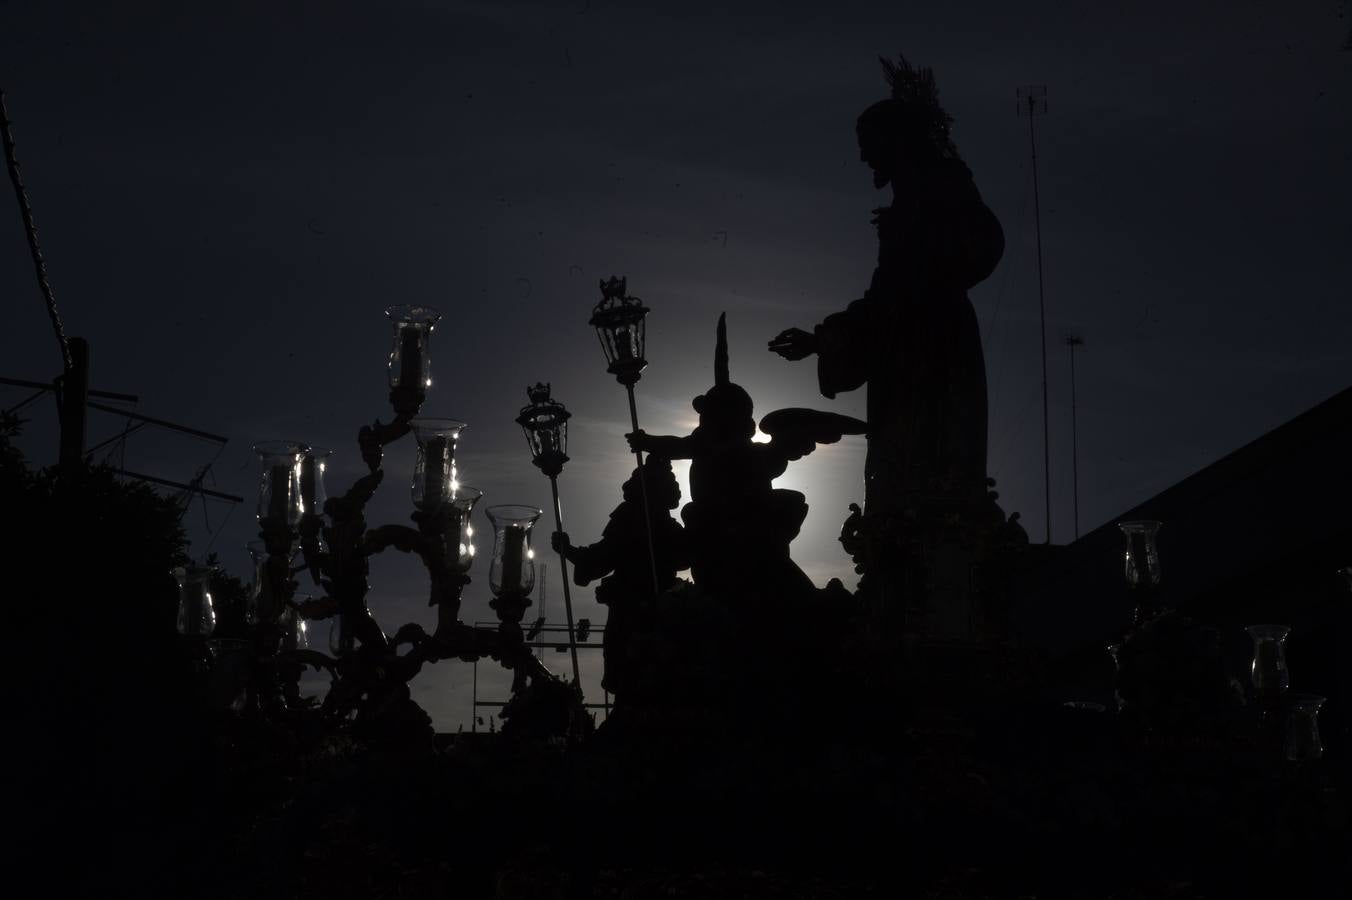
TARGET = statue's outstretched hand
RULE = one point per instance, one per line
(559, 541)
(794, 343)
(638, 441)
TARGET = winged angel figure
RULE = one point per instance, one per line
(738, 525)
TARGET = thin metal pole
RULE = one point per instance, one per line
(74, 406)
(1042, 318)
(1074, 442)
(643, 489)
(563, 571)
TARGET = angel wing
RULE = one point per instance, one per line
(796, 432)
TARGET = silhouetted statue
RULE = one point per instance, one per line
(740, 527)
(621, 556)
(913, 336)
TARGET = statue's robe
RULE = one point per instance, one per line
(913, 339)
(621, 556)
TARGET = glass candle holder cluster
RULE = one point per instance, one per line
(1271, 680)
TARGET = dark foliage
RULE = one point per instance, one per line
(102, 726)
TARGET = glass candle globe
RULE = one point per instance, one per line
(1142, 558)
(512, 570)
(410, 363)
(279, 497)
(1302, 728)
(434, 476)
(1268, 670)
(310, 480)
(196, 615)
(458, 531)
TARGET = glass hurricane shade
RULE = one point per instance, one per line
(295, 631)
(619, 321)
(458, 530)
(434, 476)
(279, 495)
(310, 480)
(196, 615)
(1142, 559)
(1268, 671)
(512, 569)
(1302, 728)
(410, 363)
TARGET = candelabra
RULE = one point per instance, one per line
(335, 545)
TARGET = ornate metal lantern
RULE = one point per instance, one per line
(545, 423)
(619, 323)
(279, 496)
(434, 476)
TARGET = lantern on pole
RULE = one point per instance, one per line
(619, 322)
(545, 423)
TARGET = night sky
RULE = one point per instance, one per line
(229, 195)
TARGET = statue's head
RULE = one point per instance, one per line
(663, 490)
(908, 130)
(725, 409)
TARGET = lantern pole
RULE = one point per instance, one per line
(617, 314)
(544, 416)
(643, 491)
(563, 571)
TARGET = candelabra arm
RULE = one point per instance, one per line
(400, 537)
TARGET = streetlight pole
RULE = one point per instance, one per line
(1073, 341)
(1032, 103)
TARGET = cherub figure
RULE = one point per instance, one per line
(739, 526)
(620, 559)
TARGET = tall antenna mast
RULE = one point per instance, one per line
(1033, 103)
(1073, 341)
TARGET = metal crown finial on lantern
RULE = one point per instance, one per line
(619, 323)
(545, 423)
